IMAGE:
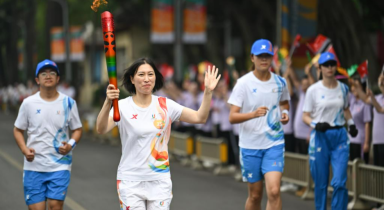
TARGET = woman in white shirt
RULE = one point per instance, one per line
(143, 176)
(326, 110)
(260, 103)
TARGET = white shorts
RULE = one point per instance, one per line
(145, 195)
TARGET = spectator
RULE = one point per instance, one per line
(362, 115)
(290, 140)
(188, 99)
(378, 119)
(225, 128)
(301, 130)
(67, 89)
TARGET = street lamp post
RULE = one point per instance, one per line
(64, 6)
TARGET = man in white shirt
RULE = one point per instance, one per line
(47, 116)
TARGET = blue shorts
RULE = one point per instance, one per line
(38, 186)
(257, 162)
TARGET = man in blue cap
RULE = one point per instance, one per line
(326, 110)
(260, 103)
(47, 116)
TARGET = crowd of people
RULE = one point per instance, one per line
(296, 132)
(12, 96)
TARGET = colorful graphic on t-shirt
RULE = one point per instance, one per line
(61, 134)
(273, 118)
(118, 193)
(158, 161)
(274, 124)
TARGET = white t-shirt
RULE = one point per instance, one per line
(327, 105)
(47, 126)
(249, 94)
(144, 134)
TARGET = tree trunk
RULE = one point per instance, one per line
(11, 48)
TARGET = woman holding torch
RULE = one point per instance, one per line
(143, 176)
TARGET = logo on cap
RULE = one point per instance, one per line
(261, 46)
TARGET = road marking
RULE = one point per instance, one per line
(11, 161)
(68, 200)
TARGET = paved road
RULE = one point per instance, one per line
(93, 184)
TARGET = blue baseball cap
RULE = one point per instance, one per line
(46, 64)
(325, 57)
(262, 46)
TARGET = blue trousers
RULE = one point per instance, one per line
(330, 147)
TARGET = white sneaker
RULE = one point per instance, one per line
(208, 164)
(232, 168)
(288, 187)
(238, 176)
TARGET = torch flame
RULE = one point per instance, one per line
(96, 4)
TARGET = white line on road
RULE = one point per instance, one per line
(68, 201)
(11, 161)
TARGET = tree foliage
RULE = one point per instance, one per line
(347, 22)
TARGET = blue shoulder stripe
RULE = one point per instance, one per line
(282, 80)
(344, 90)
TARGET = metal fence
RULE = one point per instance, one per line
(364, 182)
(181, 146)
(211, 149)
(368, 182)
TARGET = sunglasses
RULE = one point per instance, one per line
(329, 64)
(264, 55)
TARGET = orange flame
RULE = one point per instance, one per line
(97, 3)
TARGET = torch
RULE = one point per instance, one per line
(108, 26)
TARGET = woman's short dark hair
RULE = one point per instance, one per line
(131, 71)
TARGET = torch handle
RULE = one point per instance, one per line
(116, 114)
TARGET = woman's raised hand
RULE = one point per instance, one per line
(211, 78)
